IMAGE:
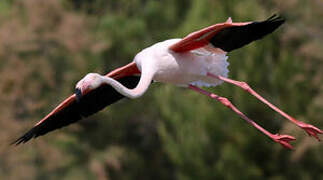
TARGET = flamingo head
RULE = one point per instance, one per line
(89, 82)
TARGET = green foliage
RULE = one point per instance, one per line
(170, 132)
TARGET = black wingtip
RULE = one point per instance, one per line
(275, 17)
(270, 25)
(24, 138)
(18, 141)
(235, 37)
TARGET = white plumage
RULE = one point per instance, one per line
(183, 69)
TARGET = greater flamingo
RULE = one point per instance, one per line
(195, 61)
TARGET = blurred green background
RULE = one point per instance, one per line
(170, 132)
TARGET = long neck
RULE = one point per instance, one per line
(147, 75)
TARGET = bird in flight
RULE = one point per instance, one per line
(196, 61)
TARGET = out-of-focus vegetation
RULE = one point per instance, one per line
(170, 132)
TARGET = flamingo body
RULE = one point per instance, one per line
(183, 69)
(197, 60)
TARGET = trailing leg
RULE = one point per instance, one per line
(282, 139)
(310, 129)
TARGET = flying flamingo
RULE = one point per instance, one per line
(195, 61)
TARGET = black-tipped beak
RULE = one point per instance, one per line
(78, 94)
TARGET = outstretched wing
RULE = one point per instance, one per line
(70, 111)
(228, 36)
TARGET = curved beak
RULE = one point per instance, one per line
(78, 94)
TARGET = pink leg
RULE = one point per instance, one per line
(310, 129)
(282, 139)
